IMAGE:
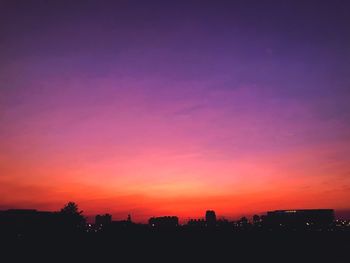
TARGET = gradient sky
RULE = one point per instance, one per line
(174, 107)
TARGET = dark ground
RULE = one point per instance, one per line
(180, 246)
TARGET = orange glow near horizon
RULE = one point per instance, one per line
(168, 183)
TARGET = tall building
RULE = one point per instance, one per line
(210, 218)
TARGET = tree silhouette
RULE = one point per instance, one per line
(72, 218)
(71, 208)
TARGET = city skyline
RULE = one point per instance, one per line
(154, 108)
(210, 217)
(183, 220)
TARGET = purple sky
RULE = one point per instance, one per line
(171, 101)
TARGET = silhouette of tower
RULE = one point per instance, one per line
(210, 218)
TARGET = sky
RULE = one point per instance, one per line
(155, 108)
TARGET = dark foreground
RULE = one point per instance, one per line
(180, 246)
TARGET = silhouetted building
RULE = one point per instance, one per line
(123, 223)
(256, 219)
(300, 219)
(224, 224)
(105, 224)
(164, 221)
(257, 222)
(243, 224)
(103, 220)
(196, 223)
(28, 221)
(210, 218)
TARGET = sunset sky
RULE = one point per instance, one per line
(175, 107)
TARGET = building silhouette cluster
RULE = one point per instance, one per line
(300, 219)
(29, 221)
(278, 220)
(164, 222)
(287, 232)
